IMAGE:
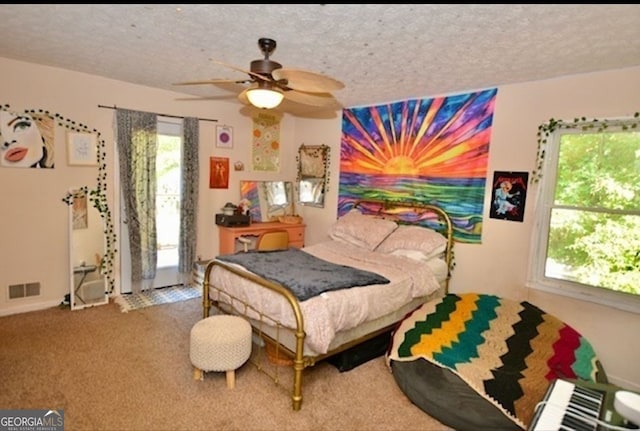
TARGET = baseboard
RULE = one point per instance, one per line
(626, 384)
(28, 307)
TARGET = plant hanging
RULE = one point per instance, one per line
(546, 129)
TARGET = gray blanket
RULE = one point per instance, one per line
(302, 273)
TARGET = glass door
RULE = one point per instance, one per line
(168, 174)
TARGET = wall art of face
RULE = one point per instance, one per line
(25, 142)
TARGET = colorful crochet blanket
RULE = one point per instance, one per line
(507, 351)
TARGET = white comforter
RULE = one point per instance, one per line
(339, 310)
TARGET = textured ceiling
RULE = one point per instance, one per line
(381, 52)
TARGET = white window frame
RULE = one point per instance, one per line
(536, 278)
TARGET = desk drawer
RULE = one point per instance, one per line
(296, 234)
(296, 244)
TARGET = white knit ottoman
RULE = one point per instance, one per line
(220, 343)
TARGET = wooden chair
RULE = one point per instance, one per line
(273, 240)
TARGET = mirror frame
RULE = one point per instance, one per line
(97, 198)
(260, 208)
(86, 266)
(313, 174)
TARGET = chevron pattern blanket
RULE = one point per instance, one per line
(507, 351)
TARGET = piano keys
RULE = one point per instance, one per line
(572, 405)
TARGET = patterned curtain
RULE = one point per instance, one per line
(189, 196)
(137, 147)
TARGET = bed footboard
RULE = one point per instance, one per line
(247, 285)
(212, 295)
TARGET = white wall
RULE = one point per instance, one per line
(501, 261)
(499, 264)
(33, 219)
(33, 223)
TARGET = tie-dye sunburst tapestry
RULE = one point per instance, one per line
(430, 151)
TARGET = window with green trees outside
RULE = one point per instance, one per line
(586, 240)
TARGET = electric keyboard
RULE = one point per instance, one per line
(571, 405)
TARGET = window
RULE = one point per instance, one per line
(168, 171)
(586, 239)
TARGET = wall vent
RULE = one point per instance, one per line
(16, 291)
(24, 290)
(32, 289)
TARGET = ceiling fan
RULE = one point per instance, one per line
(270, 83)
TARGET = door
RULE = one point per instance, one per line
(168, 174)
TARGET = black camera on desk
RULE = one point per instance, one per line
(233, 220)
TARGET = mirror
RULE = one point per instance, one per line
(86, 252)
(268, 200)
(311, 192)
(313, 172)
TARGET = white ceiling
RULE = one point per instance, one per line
(381, 52)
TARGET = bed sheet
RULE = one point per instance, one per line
(331, 312)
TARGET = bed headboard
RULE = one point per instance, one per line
(426, 215)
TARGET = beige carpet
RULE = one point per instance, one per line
(131, 371)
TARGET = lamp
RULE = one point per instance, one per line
(264, 96)
(627, 403)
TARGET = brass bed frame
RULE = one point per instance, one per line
(213, 296)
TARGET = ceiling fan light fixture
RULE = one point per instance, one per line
(264, 98)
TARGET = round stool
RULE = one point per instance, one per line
(220, 343)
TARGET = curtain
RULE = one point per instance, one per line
(137, 146)
(189, 197)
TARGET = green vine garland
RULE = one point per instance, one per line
(96, 196)
(317, 151)
(546, 129)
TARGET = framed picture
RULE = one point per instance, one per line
(82, 149)
(224, 136)
(313, 173)
(218, 173)
(313, 161)
(509, 194)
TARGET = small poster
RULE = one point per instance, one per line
(265, 149)
(218, 173)
(509, 193)
(224, 137)
(82, 149)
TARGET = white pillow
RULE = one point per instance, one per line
(365, 231)
(415, 242)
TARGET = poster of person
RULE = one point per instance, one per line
(28, 140)
(509, 193)
(218, 173)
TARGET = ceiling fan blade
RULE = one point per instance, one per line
(242, 97)
(239, 69)
(323, 100)
(213, 81)
(195, 98)
(310, 82)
